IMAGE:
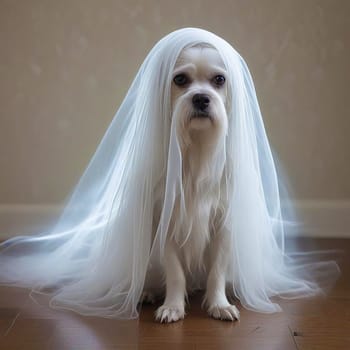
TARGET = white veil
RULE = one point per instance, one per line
(94, 261)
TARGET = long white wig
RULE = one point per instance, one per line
(95, 259)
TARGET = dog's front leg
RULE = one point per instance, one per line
(173, 308)
(215, 298)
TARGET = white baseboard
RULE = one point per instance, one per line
(26, 219)
(318, 218)
(326, 218)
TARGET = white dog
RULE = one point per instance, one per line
(183, 185)
(198, 96)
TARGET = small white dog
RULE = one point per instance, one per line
(183, 185)
(198, 97)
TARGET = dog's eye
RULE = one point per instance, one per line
(219, 80)
(181, 79)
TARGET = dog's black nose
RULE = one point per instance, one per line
(200, 102)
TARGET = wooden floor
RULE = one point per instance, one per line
(317, 323)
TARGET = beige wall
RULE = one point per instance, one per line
(66, 65)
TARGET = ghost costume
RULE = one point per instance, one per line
(94, 260)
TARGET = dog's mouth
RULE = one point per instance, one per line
(201, 115)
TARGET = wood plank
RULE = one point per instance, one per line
(321, 323)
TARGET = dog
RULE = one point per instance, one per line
(198, 103)
(183, 186)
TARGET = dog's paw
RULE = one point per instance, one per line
(168, 314)
(147, 297)
(226, 313)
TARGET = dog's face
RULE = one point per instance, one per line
(199, 89)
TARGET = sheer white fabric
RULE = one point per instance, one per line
(94, 260)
